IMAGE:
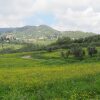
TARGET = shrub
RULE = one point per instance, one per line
(7, 50)
(92, 51)
(62, 54)
(49, 49)
(64, 40)
(68, 53)
(78, 52)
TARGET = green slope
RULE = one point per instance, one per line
(44, 31)
(46, 76)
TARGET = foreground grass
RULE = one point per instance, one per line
(48, 77)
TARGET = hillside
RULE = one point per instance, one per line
(6, 30)
(77, 34)
(36, 32)
(42, 32)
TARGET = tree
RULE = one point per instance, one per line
(68, 53)
(2, 40)
(49, 49)
(91, 51)
(64, 40)
(62, 54)
(78, 52)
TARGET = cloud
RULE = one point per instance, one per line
(86, 20)
(68, 14)
(77, 15)
(13, 12)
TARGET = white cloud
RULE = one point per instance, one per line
(13, 12)
(86, 20)
(69, 14)
(77, 15)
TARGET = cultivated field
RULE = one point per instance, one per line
(46, 76)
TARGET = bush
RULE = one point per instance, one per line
(63, 54)
(7, 50)
(92, 51)
(78, 52)
(64, 40)
(68, 53)
(30, 47)
(49, 49)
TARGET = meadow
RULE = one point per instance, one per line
(48, 76)
(13, 46)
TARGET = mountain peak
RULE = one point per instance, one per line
(44, 26)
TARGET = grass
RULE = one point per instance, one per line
(47, 76)
(13, 46)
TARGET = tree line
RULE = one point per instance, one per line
(66, 42)
(79, 53)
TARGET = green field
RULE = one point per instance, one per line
(46, 76)
(13, 46)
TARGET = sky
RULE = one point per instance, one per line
(63, 15)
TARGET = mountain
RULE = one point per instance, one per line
(6, 30)
(77, 34)
(42, 32)
(36, 32)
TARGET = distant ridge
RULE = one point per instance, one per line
(33, 32)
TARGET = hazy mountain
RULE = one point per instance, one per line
(77, 34)
(43, 32)
(6, 30)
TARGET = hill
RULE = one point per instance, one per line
(36, 32)
(43, 32)
(77, 34)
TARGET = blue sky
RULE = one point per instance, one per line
(40, 18)
(60, 14)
